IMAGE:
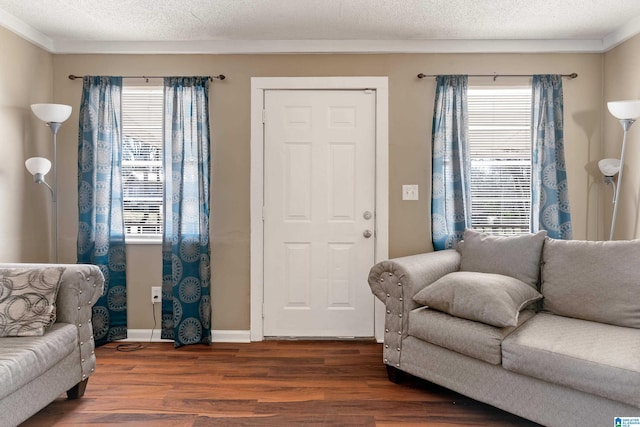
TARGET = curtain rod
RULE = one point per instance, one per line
(495, 75)
(211, 78)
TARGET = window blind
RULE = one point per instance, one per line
(142, 172)
(500, 150)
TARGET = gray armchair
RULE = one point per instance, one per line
(35, 370)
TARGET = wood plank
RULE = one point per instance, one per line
(271, 383)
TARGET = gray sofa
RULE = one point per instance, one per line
(35, 369)
(571, 358)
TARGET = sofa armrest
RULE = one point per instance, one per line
(80, 287)
(396, 281)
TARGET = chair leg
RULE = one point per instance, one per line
(394, 374)
(77, 390)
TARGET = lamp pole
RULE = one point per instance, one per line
(54, 126)
(626, 124)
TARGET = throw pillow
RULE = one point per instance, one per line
(27, 298)
(596, 281)
(488, 298)
(514, 256)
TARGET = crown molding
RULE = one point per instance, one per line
(328, 46)
(622, 34)
(25, 31)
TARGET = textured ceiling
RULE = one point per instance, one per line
(73, 22)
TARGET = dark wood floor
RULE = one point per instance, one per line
(272, 383)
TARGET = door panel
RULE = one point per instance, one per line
(319, 181)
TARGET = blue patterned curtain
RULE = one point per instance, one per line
(101, 224)
(550, 198)
(186, 304)
(451, 165)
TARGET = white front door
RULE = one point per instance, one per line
(319, 220)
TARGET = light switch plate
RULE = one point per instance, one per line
(409, 192)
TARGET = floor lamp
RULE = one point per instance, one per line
(609, 168)
(626, 112)
(53, 115)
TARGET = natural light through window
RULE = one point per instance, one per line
(500, 147)
(142, 177)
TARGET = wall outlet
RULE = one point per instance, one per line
(409, 192)
(156, 294)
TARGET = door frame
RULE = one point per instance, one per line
(258, 86)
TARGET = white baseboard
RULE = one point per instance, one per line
(231, 336)
(223, 336)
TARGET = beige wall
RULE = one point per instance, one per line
(622, 81)
(26, 74)
(410, 106)
(29, 75)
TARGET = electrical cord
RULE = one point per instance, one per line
(139, 346)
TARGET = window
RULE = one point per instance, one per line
(500, 150)
(142, 173)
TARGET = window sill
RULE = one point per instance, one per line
(143, 240)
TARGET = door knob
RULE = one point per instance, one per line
(367, 233)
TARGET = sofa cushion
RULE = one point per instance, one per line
(473, 339)
(22, 359)
(515, 256)
(588, 356)
(27, 298)
(493, 299)
(596, 281)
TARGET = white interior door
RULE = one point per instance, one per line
(319, 220)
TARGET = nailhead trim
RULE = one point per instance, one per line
(393, 309)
